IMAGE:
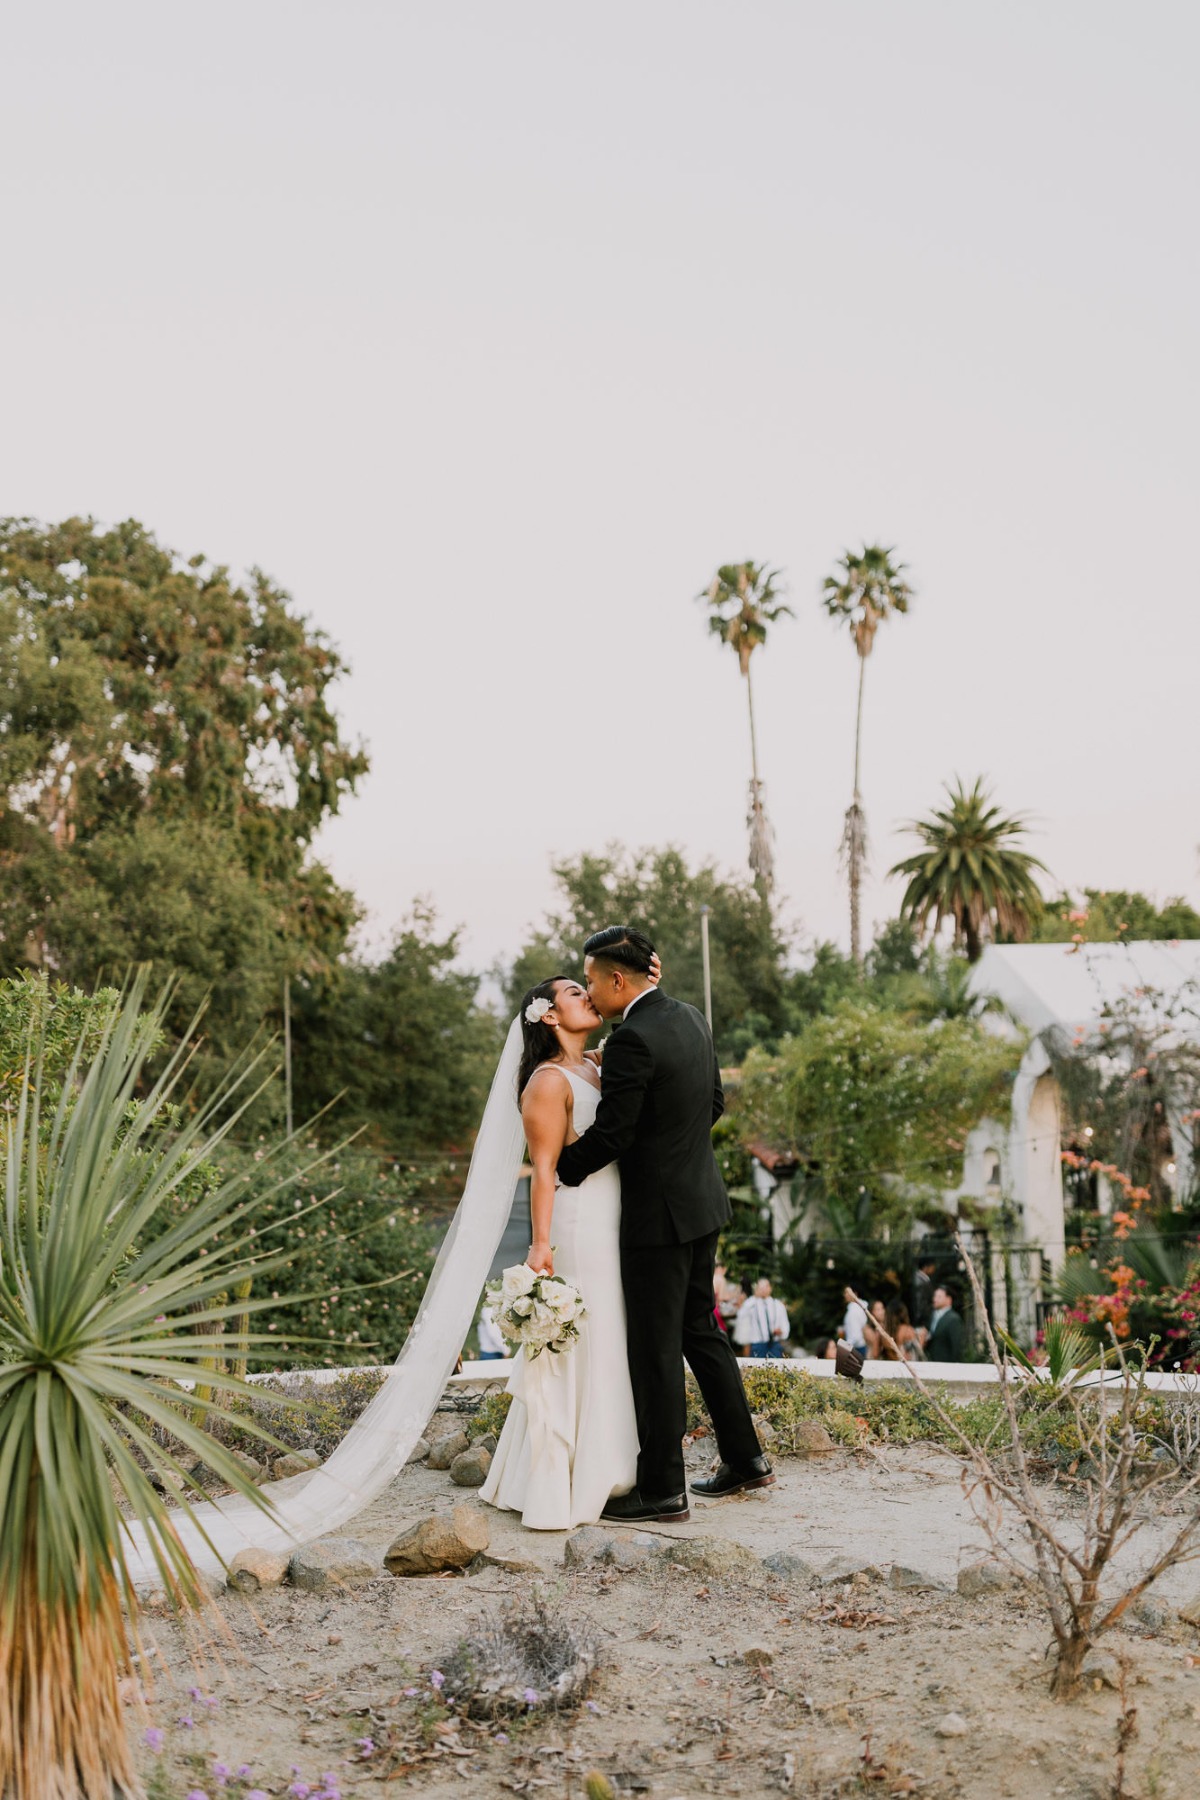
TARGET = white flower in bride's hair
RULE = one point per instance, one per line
(537, 1009)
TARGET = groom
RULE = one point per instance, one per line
(660, 1099)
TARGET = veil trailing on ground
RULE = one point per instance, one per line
(379, 1442)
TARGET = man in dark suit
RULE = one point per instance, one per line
(946, 1334)
(660, 1098)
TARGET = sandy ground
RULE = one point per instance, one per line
(860, 1679)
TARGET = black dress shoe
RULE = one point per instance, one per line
(755, 1474)
(637, 1508)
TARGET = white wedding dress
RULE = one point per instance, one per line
(570, 1439)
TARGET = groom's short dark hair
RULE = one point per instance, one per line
(621, 944)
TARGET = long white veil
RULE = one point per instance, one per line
(378, 1444)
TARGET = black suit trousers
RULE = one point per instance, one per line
(669, 1312)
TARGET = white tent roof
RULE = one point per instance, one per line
(1042, 985)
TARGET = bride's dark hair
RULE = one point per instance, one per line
(538, 1042)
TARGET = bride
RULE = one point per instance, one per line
(570, 1440)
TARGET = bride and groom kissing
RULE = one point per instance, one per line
(626, 1184)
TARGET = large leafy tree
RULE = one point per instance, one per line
(169, 752)
(866, 588)
(743, 599)
(404, 1040)
(1115, 915)
(874, 1105)
(660, 893)
(971, 871)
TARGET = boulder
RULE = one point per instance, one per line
(912, 1581)
(631, 1549)
(419, 1451)
(443, 1450)
(791, 1567)
(1154, 1613)
(953, 1725)
(589, 1544)
(439, 1542)
(294, 1462)
(203, 1473)
(980, 1579)
(766, 1433)
(330, 1563)
(810, 1438)
(486, 1442)
(251, 1570)
(849, 1568)
(714, 1559)
(1189, 1612)
(471, 1467)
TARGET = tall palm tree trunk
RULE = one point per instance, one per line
(854, 831)
(762, 862)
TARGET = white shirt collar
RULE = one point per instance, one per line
(635, 1000)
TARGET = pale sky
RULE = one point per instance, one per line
(490, 329)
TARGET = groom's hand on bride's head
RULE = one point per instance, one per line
(655, 969)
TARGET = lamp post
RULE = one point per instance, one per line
(704, 911)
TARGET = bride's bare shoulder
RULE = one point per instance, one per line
(547, 1084)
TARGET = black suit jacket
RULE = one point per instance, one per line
(660, 1097)
(946, 1343)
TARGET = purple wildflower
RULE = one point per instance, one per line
(367, 1746)
(220, 1773)
(186, 1725)
(245, 1772)
(531, 1696)
(408, 1693)
(197, 1794)
(437, 1679)
(153, 1738)
(257, 1794)
(300, 1790)
(592, 1707)
(501, 1737)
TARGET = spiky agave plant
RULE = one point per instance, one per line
(101, 1312)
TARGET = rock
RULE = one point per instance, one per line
(849, 1568)
(439, 1542)
(486, 1442)
(983, 1578)
(295, 1462)
(1153, 1613)
(254, 1569)
(444, 1449)
(332, 1562)
(166, 1481)
(589, 1544)
(249, 1465)
(791, 1567)
(767, 1435)
(714, 1559)
(471, 1467)
(509, 1565)
(756, 1657)
(952, 1726)
(631, 1549)
(810, 1438)
(419, 1451)
(912, 1581)
(1190, 1611)
(1101, 1670)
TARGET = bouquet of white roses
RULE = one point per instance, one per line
(539, 1312)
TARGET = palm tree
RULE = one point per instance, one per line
(863, 591)
(100, 1316)
(971, 871)
(743, 599)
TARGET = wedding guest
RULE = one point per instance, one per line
(876, 1316)
(946, 1334)
(922, 1294)
(825, 1349)
(762, 1324)
(854, 1325)
(902, 1333)
(491, 1344)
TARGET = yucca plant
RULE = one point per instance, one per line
(1070, 1352)
(102, 1312)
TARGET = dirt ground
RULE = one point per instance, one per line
(335, 1691)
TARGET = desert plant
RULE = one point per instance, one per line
(1117, 1485)
(99, 1318)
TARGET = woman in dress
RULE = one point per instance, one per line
(570, 1440)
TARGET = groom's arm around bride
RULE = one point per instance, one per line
(660, 1096)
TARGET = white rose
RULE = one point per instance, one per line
(517, 1280)
(522, 1307)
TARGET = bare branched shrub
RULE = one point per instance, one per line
(1180, 1437)
(522, 1658)
(1120, 1485)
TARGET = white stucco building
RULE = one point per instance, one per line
(1061, 991)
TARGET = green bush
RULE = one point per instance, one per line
(491, 1415)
